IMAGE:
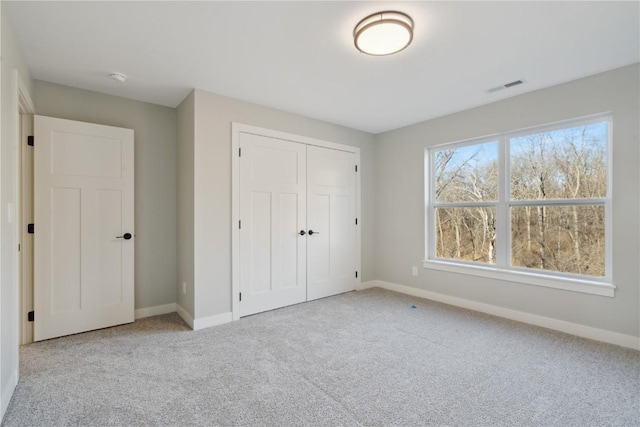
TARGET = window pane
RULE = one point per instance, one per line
(466, 234)
(467, 173)
(568, 239)
(561, 164)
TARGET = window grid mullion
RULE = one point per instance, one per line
(516, 203)
(431, 245)
(465, 204)
(597, 201)
(503, 226)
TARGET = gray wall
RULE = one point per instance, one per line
(155, 177)
(400, 198)
(186, 139)
(12, 59)
(212, 174)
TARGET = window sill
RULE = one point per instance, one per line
(557, 282)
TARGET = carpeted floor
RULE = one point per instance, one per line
(362, 358)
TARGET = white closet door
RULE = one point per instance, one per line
(84, 217)
(272, 214)
(331, 207)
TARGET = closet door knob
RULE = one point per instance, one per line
(311, 232)
(125, 236)
(302, 233)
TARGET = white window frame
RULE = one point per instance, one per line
(502, 269)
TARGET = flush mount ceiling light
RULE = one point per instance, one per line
(383, 33)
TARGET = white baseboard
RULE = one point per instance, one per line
(628, 341)
(7, 392)
(368, 285)
(207, 322)
(185, 315)
(204, 322)
(155, 310)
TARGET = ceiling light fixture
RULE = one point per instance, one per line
(118, 77)
(383, 33)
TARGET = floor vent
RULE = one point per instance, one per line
(505, 86)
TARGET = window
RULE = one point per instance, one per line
(533, 204)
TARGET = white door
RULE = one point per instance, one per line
(331, 207)
(83, 203)
(272, 214)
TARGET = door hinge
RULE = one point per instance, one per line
(240, 225)
(356, 221)
(30, 316)
(356, 168)
(239, 152)
(356, 274)
(30, 140)
(18, 247)
(240, 296)
(30, 228)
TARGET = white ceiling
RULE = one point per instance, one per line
(299, 56)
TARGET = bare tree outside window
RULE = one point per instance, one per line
(564, 164)
(467, 175)
(555, 195)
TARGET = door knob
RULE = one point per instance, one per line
(311, 232)
(302, 233)
(125, 236)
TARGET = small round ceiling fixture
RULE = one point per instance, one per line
(383, 33)
(118, 77)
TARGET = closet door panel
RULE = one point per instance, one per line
(272, 212)
(331, 241)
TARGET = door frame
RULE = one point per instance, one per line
(23, 107)
(236, 130)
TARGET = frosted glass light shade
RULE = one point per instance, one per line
(383, 33)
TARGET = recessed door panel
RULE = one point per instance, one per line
(102, 155)
(288, 240)
(342, 259)
(260, 244)
(319, 215)
(109, 247)
(65, 251)
(272, 165)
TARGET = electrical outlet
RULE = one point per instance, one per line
(184, 288)
(414, 271)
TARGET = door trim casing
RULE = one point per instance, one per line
(236, 130)
(24, 107)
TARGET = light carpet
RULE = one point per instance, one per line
(362, 358)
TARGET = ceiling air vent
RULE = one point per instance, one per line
(505, 86)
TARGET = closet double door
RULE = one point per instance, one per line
(297, 222)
